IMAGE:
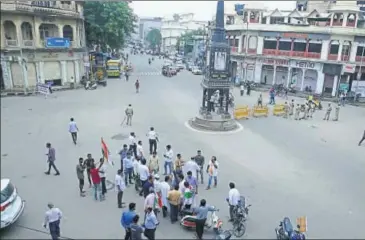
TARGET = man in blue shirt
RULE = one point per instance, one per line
(128, 168)
(201, 217)
(123, 154)
(127, 219)
(150, 224)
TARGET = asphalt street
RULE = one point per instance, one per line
(284, 167)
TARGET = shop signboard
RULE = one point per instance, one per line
(295, 35)
(277, 62)
(358, 87)
(305, 65)
(57, 43)
(348, 68)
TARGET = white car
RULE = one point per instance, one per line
(196, 71)
(12, 205)
(180, 66)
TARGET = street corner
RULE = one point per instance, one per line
(189, 126)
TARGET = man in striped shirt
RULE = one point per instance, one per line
(51, 159)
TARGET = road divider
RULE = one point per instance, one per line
(241, 112)
(278, 110)
(260, 111)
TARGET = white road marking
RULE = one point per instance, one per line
(239, 129)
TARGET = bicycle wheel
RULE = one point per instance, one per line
(239, 229)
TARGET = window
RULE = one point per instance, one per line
(334, 49)
(360, 51)
(44, 3)
(315, 47)
(299, 46)
(276, 20)
(285, 45)
(66, 2)
(270, 44)
(43, 32)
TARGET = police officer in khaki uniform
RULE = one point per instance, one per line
(337, 113)
(297, 112)
(328, 112)
(292, 106)
(286, 110)
(129, 114)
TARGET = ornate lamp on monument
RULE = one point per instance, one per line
(214, 112)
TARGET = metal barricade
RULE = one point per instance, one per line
(278, 110)
(259, 111)
(241, 112)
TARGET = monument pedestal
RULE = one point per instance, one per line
(213, 122)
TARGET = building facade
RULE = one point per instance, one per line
(318, 51)
(147, 24)
(26, 26)
(172, 29)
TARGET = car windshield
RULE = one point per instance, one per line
(113, 67)
(7, 192)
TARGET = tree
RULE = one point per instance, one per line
(108, 23)
(187, 37)
(154, 38)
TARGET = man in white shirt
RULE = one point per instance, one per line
(140, 152)
(152, 139)
(191, 166)
(164, 189)
(149, 202)
(233, 199)
(73, 129)
(133, 143)
(102, 174)
(119, 187)
(169, 154)
(144, 173)
(53, 218)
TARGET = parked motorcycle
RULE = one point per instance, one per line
(285, 231)
(240, 215)
(90, 85)
(189, 221)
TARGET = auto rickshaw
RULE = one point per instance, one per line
(315, 99)
(100, 77)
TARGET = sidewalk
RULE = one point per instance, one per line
(31, 92)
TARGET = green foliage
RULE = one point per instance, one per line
(154, 38)
(108, 23)
(187, 38)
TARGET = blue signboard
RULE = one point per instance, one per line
(57, 43)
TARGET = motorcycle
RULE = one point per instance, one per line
(189, 221)
(90, 86)
(240, 213)
(285, 231)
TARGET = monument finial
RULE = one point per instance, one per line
(219, 32)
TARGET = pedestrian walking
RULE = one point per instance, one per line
(102, 173)
(328, 112)
(337, 112)
(137, 182)
(88, 163)
(259, 101)
(73, 129)
(53, 220)
(242, 89)
(80, 168)
(146, 187)
(129, 114)
(164, 189)
(233, 199)
(136, 84)
(144, 173)
(311, 109)
(169, 154)
(292, 106)
(152, 139)
(133, 144)
(188, 196)
(200, 160)
(212, 170)
(174, 197)
(123, 153)
(128, 169)
(149, 201)
(127, 219)
(119, 187)
(362, 139)
(150, 224)
(95, 178)
(201, 217)
(191, 166)
(248, 89)
(153, 163)
(136, 229)
(272, 96)
(51, 159)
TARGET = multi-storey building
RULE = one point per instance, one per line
(147, 24)
(26, 56)
(318, 50)
(172, 29)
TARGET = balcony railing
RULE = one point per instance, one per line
(254, 21)
(252, 51)
(313, 55)
(360, 59)
(283, 53)
(234, 49)
(269, 51)
(337, 23)
(28, 43)
(350, 24)
(345, 58)
(298, 54)
(11, 43)
(332, 57)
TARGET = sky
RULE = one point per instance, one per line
(203, 10)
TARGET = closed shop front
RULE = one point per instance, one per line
(17, 75)
(32, 74)
(250, 72)
(267, 74)
(52, 72)
(70, 70)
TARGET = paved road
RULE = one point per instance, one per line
(284, 167)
